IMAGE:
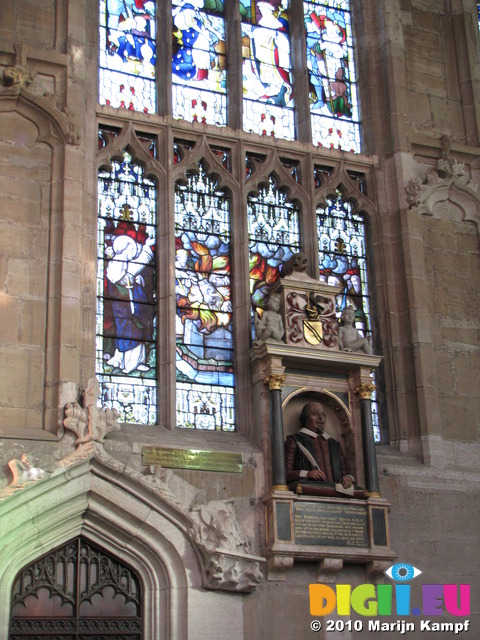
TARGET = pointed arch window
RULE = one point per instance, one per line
(76, 591)
(126, 361)
(273, 237)
(204, 320)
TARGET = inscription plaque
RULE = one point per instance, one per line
(198, 459)
(338, 525)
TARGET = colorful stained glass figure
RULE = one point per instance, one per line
(127, 54)
(126, 293)
(331, 70)
(273, 237)
(204, 351)
(267, 79)
(342, 257)
(199, 62)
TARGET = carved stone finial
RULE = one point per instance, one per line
(275, 381)
(298, 263)
(89, 423)
(23, 471)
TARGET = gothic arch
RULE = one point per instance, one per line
(116, 512)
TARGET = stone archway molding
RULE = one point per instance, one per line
(174, 543)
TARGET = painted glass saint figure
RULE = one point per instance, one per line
(198, 63)
(127, 54)
(333, 101)
(126, 308)
(267, 79)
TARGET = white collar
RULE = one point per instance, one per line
(313, 434)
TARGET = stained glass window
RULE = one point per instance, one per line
(199, 63)
(127, 54)
(267, 79)
(273, 237)
(126, 293)
(204, 333)
(331, 70)
(342, 256)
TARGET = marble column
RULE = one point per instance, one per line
(364, 392)
(279, 478)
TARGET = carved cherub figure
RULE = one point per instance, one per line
(270, 323)
(349, 338)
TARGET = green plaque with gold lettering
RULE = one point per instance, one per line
(201, 460)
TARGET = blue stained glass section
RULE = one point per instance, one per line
(331, 69)
(127, 54)
(199, 62)
(204, 345)
(126, 292)
(267, 78)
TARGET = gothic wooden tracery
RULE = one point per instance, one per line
(76, 592)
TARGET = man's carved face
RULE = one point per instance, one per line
(316, 418)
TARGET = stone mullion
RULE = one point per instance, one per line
(164, 58)
(234, 65)
(241, 295)
(309, 230)
(300, 72)
(166, 310)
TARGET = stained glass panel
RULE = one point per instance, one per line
(342, 256)
(204, 358)
(267, 79)
(331, 70)
(273, 237)
(127, 54)
(126, 293)
(199, 61)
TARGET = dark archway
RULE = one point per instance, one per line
(76, 592)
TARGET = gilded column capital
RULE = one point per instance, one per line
(274, 381)
(364, 391)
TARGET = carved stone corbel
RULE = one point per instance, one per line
(230, 572)
(19, 76)
(436, 184)
(328, 568)
(88, 422)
